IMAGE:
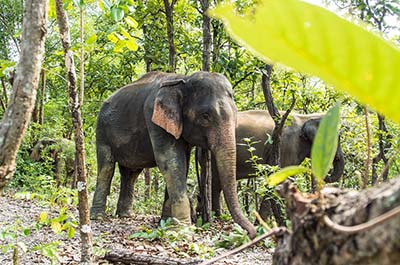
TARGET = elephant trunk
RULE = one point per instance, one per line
(338, 166)
(225, 154)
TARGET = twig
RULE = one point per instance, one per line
(261, 221)
(369, 143)
(361, 227)
(274, 231)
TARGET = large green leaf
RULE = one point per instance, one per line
(311, 39)
(280, 176)
(325, 144)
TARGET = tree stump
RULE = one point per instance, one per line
(312, 241)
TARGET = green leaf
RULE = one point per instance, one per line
(280, 176)
(56, 227)
(325, 144)
(311, 39)
(131, 22)
(71, 232)
(132, 45)
(42, 217)
(117, 13)
(91, 40)
(78, 3)
(27, 231)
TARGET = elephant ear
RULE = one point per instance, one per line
(167, 111)
(309, 129)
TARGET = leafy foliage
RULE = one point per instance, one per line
(305, 40)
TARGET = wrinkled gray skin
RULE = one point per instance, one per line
(156, 121)
(296, 141)
(59, 151)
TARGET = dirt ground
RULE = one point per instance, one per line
(110, 234)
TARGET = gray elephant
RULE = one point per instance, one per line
(62, 154)
(156, 121)
(296, 141)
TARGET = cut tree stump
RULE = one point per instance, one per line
(312, 241)
(129, 257)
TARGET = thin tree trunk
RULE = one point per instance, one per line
(5, 91)
(384, 144)
(22, 100)
(205, 185)
(42, 96)
(205, 4)
(147, 181)
(82, 59)
(85, 229)
(272, 152)
(169, 10)
(369, 144)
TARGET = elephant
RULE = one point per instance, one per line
(296, 142)
(156, 121)
(61, 152)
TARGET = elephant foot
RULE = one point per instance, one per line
(97, 215)
(124, 213)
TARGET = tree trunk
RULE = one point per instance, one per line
(22, 100)
(205, 185)
(42, 96)
(272, 151)
(314, 241)
(384, 144)
(169, 10)
(147, 181)
(205, 4)
(85, 229)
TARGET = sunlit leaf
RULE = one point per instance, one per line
(125, 33)
(91, 40)
(117, 13)
(131, 22)
(132, 45)
(42, 217)
(56, 227)
(280, 176)
(52, 9)
(325, 144)
(311, 39)
(112, 37)
(71, 232)
(119, 46)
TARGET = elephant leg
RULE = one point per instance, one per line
(171, 158)
(125, 200)
(105, 172)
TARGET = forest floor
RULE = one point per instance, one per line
(110, 234)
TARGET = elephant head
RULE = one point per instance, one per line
(308, 132)
(201, 110)
(36, 153)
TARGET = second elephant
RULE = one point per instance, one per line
(296, 142)
(61, 152)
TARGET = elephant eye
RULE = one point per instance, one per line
(205, 118)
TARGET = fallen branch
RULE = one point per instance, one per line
(274, 231)
(128, 257)
(364, 226)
